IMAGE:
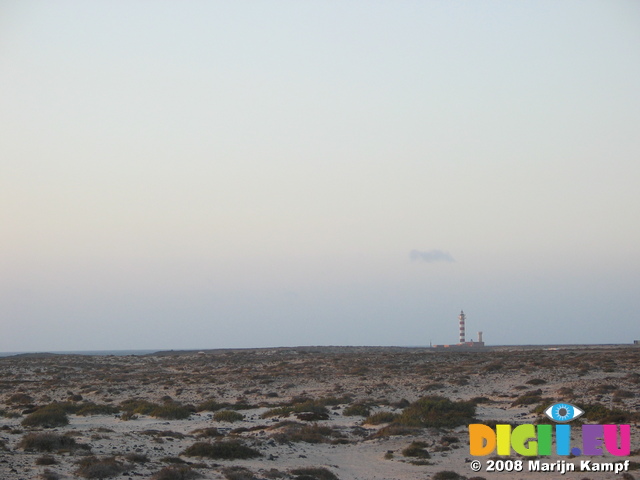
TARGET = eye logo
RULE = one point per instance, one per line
(563, 412)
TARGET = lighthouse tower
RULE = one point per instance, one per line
(461, 317)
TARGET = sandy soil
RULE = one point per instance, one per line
(332, 379)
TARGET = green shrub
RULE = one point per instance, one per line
(168, 411)
(211, 405)
(436, 411)
(139, 406)
(381, 417)
(87, 409)
(310, 406)
(311, 411)
(50, 416)
(171, 411)
(227, 416)
(229, 450)
(278, 412)
(357, 409)
(528, 398)
(601, 414)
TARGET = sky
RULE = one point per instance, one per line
(178, 175)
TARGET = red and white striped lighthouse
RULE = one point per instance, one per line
(461, 317)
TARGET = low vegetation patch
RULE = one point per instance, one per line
(95, 467)
(49, 442)
(228, 416)
(381, 417)
(357, 409)
(447, 475)
(207, 432)
(225, 450)
(50, 475)
(416, 450)
(599, 413)
(90, 408)
(536, 381)
(311, 411)
(167, 411)
(177, 472)
(313, 473)
(283, 411)
(46, 460)
(212, 405)
(314, 433)
(238, 473)
(50, 416)
(395, 430)
(19, 399)
(528, 398)
(436, 411)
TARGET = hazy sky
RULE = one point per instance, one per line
(191, 174)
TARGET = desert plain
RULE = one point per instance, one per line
(307, 413)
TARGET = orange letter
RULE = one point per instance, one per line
(482, 440)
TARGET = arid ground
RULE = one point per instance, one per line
(300, 413)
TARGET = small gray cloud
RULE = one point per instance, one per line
(431, 256)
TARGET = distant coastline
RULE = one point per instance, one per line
(117, 353)
(303, 348)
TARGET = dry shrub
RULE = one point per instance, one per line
(394, 429)
(226, 450)
(528, 398)
(284, 411)
(227, 416)
(46, 460)
(357, 409)
(168, 411)
(209, 432)
(447, 475)
(238, 473)
(137, 457)
(313, 473)
(49, 475)
(381, 417)
(94, 467)
(19, 399)
(50, 416)
(298, 432)
(49, 442)
(436, 411)
(416, 450)
(177, 472)
(536, 381)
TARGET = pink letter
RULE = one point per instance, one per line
(611, 440)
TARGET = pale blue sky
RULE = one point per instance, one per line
(249, 173)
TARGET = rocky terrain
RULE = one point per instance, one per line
(297, 413)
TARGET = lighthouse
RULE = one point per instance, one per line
(461, 317)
